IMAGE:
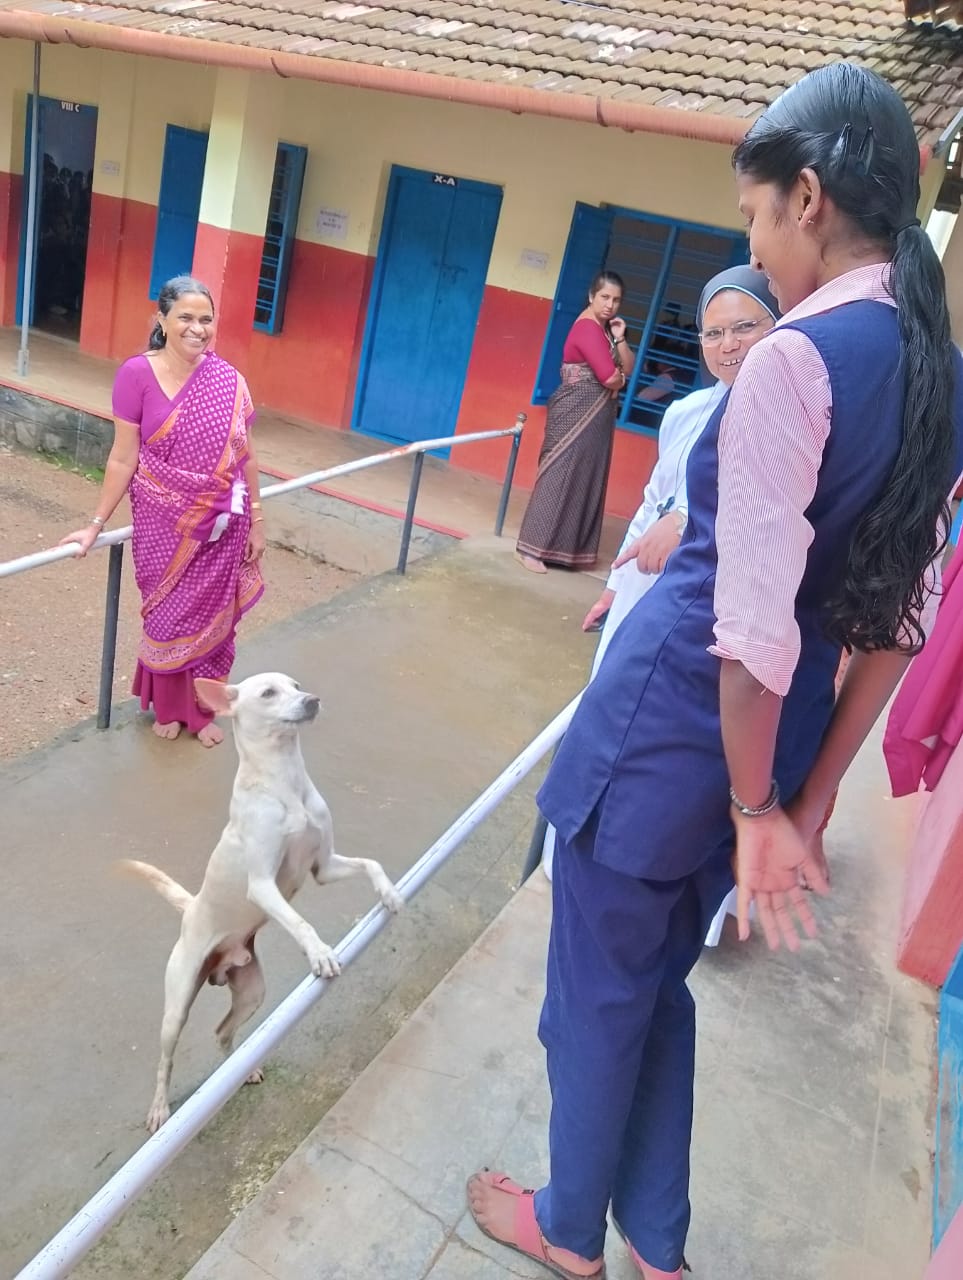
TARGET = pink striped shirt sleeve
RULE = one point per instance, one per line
(771, 443)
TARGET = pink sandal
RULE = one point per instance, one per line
(528, 1236)
(645, 1271)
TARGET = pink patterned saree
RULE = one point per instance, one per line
(191, 526)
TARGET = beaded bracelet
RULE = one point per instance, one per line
(759, 811)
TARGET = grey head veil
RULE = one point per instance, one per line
(745, 280)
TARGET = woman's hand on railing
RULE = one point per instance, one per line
(85, 538)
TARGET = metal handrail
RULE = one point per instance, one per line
(40, 558)
(85, 1228)
(116, 538)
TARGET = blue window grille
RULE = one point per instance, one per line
(279, 235)
(178, 205)
(665, 265)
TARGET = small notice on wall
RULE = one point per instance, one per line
(110, 167)
(332, 223)
(534, 259)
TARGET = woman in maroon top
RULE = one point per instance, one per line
(563, 519)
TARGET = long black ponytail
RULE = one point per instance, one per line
(852, 129)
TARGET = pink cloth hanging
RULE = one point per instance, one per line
(925, 722)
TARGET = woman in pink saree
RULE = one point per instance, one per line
(182, 448)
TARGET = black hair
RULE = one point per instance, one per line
(605, 277)
(168, 295)
(852, 129)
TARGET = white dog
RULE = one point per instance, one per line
(279, 829)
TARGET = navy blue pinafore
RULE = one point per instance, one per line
(638, 794)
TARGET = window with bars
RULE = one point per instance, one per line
(664, 265)
(279, 234)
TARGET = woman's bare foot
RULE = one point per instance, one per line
(210, 736)
(494, 1210)
(531, 563)
(168, 731)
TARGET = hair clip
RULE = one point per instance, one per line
(864, 156)
(840, 151)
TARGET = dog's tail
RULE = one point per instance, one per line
(175, 894)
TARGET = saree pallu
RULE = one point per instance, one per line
(191, 525)
(563, 519)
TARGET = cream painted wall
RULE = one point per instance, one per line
(16, 68)
(245, 128)
(353, 138)
(544, 166)
(164, 92)
(953, 267)
(136, 98)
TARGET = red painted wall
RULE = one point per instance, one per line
(115, 319)
(217, 255)
(11, 200)
(501, 375)
(116, 316)
(309, 369)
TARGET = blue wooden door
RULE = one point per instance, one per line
(178, 205)
(67, 133)
(427, 290)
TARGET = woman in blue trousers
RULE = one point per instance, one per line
(708, 741)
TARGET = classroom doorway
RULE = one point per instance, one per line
(67, 136)
(436, 242)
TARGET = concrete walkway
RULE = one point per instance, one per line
(430, 685)
(813, 1141)
(813, 1128)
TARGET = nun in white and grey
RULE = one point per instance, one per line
(735, 311)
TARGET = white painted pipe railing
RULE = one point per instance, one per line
(83, 1231)
(117, 537)
(39, 558)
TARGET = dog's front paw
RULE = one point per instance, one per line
(159, 1114)
(324, 963)
(256, 1077)
(392, 899)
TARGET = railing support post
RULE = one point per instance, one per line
(535, 848)
(536, 845)
(520, 421)
(410, 512)
(111, 611)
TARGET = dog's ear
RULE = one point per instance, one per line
(216, 696)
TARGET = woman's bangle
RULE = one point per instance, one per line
(99, 521)
(257, 520)
(618, 340)
(756, 811)
(255, 506)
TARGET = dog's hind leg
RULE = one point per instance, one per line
(247, 996)
(334, 867)
(182, 981)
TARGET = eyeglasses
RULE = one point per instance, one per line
(744, 329)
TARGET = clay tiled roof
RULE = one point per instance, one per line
(699, 62)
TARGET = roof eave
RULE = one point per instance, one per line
(633, 116)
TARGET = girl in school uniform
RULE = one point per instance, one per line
(817, 501)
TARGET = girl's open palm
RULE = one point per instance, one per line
(770, 853)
